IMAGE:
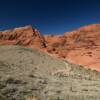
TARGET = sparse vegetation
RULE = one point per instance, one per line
(27, 74)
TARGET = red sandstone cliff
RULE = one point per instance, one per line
(26, 36)
(85, 44)
(81, 46)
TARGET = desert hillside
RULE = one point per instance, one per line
(29, 74)
(81, 46)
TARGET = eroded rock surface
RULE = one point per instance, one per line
(25, 36)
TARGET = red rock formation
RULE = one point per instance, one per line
(26, 36)
(86, 46)
(81, 46)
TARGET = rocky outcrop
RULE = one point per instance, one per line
(26, 36)
(86, 46)
(81, 46)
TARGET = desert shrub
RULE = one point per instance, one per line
(2, 85)
(14, 81)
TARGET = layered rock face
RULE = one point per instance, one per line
(26, 36)
(81, 46)
(86, 46)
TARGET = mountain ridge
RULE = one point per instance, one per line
(25, 36)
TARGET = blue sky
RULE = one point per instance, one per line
(49, 16)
